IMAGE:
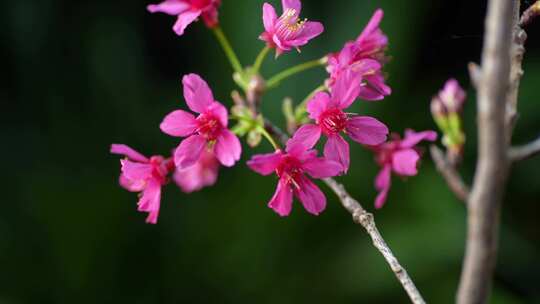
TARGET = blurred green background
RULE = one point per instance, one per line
(77, 76)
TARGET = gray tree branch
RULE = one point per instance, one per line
(449, 173)
(492, 166)
(524, 152)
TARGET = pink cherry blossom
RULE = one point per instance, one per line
(366, 57)
(399, 156)
(202, 174)
(287, 31)
(450, 99)
(206, 132)
(291, 167)
(144, 175)
(331, 120)
(188, 11)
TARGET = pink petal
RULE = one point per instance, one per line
(265, 164)
(269, 17)
(292, 4)
(337, 149)
(203, 174)
(374, 88)
(179, 123)
(128, 152)
(135, 171)
(131, 185)
(189, 151)
(318, 167)
(311, 30)
(185, 19)
(412, 138)
(382, 184)
(170, 7)
(366, 67)
(307, 135)
(219, 111)
(404, 162)
(318, 104)
(367, 130)
(372, 25)
(310, 196)
(281, 202)
(150, 201)
(228, 148)
(346, 89)
(197, 94)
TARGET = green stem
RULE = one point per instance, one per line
(227, 48)
(260, 59)
(275, 81)
(269, 138)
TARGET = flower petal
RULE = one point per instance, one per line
(197, 93)
(169, 7)
(228, 148)
(337, 149)
(135, 171)
(318, 104)
(367, 130)
(412, 138)
(179, 123)
(382, 184)
(265, 164)
(404, 162)
(150, 201)
(292, 4)
(219, 111)
(281, 202)
(185, 19)
(372, 25)
(346, 89)
(269, 17)
(131, 185)
(310, 30)
(189, 151)
(310, 196)
(204, 173)
(374, 88)
(307, 135)
(128, 152)
(318, 167)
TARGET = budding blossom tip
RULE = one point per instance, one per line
(188, 11)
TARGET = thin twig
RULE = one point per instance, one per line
(492, 167)
(524, 152)
(448, 171)
(366, 219)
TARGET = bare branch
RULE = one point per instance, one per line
(475, 74)
(448, 171)
(524, 152)
(366, 219)
(492, 167)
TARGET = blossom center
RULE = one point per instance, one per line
(333, 121)
(209, 126)
(290, 169)
(288, 26)
(200, 4)
(159, 168)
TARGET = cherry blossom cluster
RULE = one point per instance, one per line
(354, 73)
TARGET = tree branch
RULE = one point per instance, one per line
(448, 171)
(492, 167)
(524, 152)
(366, 219)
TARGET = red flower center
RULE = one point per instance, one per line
(209, 126)
(159, 168)
(200, 4)
(333, 121)
(290, 169)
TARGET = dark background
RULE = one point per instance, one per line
(77, 76)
